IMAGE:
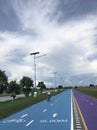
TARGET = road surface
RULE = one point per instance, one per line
(88, 107)
(70, 110)
(53, 115)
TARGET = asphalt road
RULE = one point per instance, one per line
(8, 98)
(77, 119)
(53, 115)
(88, 107)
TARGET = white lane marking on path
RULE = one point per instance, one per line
(72, 100)
(14, 120)
(44, 110)
(30, 123)
(54, 115)
(24, 115)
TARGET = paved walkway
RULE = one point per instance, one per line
(8, 98)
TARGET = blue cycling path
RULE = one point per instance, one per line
(45, 115)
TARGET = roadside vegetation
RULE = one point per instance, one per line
(10, 107)
(25, 85)
(91, 91)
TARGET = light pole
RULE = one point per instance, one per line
(35, 53)
(61, 81)
(55, 78)
(35, 57)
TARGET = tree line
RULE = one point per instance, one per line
(25, 85)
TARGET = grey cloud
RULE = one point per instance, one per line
(92, 57)
(73, 10)
(59, 10)
(8, 18)
(16, 56)
(62, 58)
(84, 79)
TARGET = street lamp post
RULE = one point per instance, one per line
(61, 81)
(35, 53)
(55, 78)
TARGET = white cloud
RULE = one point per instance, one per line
(68, 46)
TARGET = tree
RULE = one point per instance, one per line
(13, 87)
(91, 85)
(60, 87)
(41, 85)
(3, 81)
(26, 84)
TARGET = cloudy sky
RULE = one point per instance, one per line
(64, 30)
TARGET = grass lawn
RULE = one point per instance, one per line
(91, 91)
(7, 108)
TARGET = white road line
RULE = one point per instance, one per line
(78, 127)
(72, 127)
(54, 115)
(24, 115)
(30, 123)
(77, 124)
(52, 104)
(44, 110)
